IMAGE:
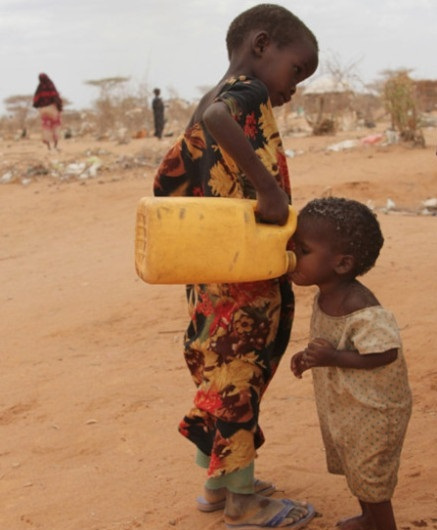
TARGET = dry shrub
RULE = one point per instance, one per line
(400, 103)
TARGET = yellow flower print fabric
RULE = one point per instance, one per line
(237, 333)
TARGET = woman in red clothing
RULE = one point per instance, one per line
(49, 104)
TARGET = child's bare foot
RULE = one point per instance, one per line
(214, 500)
(255, 510)
(359, 522)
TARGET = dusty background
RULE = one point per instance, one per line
(93, 381)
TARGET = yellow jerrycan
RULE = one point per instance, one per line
(180, 240)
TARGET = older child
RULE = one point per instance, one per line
(239, 332)
(355, 353)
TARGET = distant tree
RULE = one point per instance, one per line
(107, 85)
(19, 106)
(344, 73)
(107, 103)
(400, 102)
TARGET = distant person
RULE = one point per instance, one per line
(238, 332)
(158, 113)
(355, 354)
(49, 104)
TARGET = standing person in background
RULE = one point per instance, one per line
(239, 332)
(49, 104)
(158, 113)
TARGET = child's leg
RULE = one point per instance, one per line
(382, 515)
(359, 522)
(245, 507)
(375, 516)
(215, 489)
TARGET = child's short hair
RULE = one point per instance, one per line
(356, 228)
(282, 26)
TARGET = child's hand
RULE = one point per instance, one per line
(319, 352)
(273, 205)
(297, 364)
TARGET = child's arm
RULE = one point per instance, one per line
(320, 352)
(272, 200)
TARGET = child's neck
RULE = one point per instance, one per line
(345, 297)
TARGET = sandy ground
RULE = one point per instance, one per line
(93, 382)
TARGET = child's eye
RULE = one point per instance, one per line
(304, 250)
(297, 69)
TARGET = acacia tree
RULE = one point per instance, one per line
(19, 106)
(107, 103)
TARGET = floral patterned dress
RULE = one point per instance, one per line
(238, 331)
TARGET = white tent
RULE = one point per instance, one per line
(326, 84)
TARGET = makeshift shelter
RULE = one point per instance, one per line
(328, 100)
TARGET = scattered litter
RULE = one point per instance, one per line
(291, 153)
(388, 138)
(430, 206)
(7, 177)
(93, 164)
(75, 169)
(392, 136)
(84, 170)
(341, 146)
(372, 139)
(38, 169)
(430, 203)
(390, 205)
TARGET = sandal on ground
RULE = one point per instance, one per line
(277, 521)
(262, 488)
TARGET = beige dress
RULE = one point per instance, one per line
(363, 413)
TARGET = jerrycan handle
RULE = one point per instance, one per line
(290, 225)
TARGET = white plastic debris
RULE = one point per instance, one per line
(392, 136)
(94, 163)
(390, 205)
(341, 146)
(75, 169)
(7, 177)
(430, 203)
(370, 204)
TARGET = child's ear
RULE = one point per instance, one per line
(345, 264)
(261, 41)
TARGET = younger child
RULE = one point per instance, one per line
(355, 353)
(239, 331)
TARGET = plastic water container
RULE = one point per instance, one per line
(182, 240)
